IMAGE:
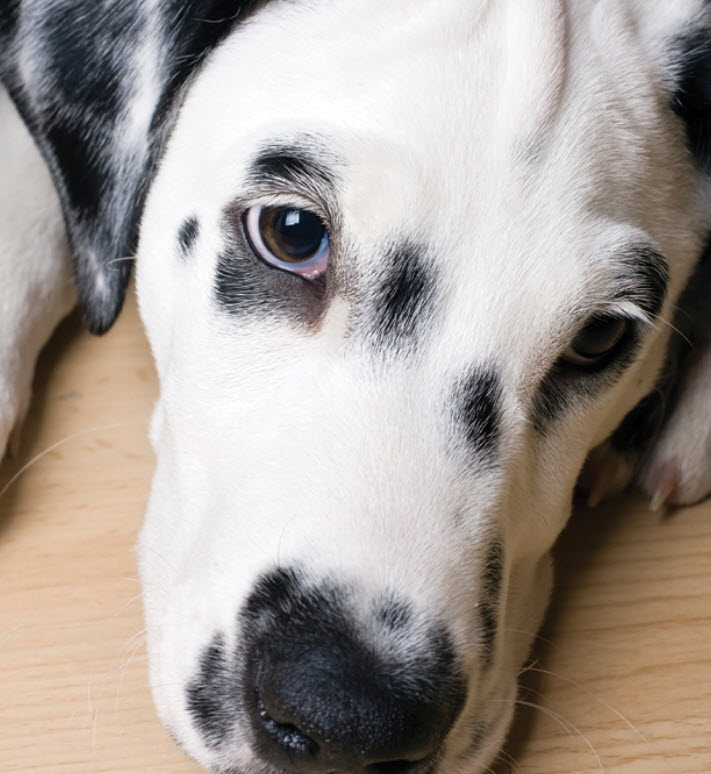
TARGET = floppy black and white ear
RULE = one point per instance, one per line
(690, 57)
(98, 82)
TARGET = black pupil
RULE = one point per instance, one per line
(292, 235)
(599, 336)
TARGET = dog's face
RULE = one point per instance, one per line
(400, 277)
(402, 266)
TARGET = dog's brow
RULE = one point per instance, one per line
(643, 277)
(292, 167)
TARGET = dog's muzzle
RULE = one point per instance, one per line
(324, 690)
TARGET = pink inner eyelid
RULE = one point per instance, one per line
(310, 269)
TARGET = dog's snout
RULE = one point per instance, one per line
(327, 709)
(325, 696)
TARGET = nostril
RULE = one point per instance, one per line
(290, 738)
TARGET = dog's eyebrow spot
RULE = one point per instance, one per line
(642, 278)
(188, 234)
(404, 298)
(209, 694)
(477, 410)
(293, 167)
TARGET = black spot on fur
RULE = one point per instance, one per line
(395, 615)
(477, 735)
(309, 663)
(489, 605)
(692, 97)
(494, 571)
(188, 234)
(478, 399)
(209, 695)
(404, 298)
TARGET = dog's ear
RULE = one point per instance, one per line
(98, 83)
(691, 98)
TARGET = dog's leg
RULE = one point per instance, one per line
(36, 288)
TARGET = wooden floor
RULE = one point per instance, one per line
(623, 674)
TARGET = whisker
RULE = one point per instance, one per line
(530, 634)
(593, 696)
(120, 260)
(566, 725)
(673, 327)
(54, 446)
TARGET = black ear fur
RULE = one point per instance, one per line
(692, 96)
(76, 97)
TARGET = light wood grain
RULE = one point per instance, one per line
(628, 638)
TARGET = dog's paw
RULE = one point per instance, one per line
(677, 468)
(606, 473)
(14, 404)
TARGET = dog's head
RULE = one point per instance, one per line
(402, 266)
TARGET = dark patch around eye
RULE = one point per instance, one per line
(244, 285)
(188, 234)
(478, 401)
(638, 429)
(209, 694)
(691, 100)
(642, 280)
(404, 299)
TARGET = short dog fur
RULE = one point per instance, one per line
(365, 456)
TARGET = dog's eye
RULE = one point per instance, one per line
(289, 239)
(597, 341)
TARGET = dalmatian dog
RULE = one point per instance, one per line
(404, 267)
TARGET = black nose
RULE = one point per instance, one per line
(323, 697)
